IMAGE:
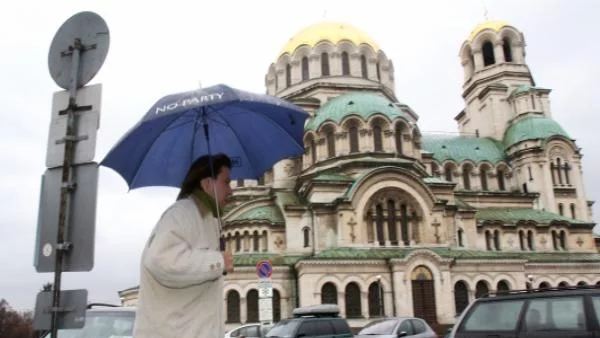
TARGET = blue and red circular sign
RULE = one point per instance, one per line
(264, 269)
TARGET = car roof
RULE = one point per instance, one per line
(539, 293)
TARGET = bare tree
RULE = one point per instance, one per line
(15, 324)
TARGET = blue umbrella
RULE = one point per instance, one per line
(254, 130)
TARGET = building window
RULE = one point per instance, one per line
(488, 53)
(313, 150)
(392, 223)
(448, 173)
(530, 240)
(252, 306)
(363, 67)
(329, 294)
(330, 139)
(522, 239)
(233, 307)
(501, 185)
(502, 286)
(483, 172)
(481, 289)
(353, 138)
(561, 209)
(398, 137)
(238, 242)
(288, 75)
(378, 72)
(377, 138)
(276, 305)
(497, 240)
(353, 301)
(255, 242)
(461, 297)
(376, 300)
(324, 64)
(466, 173)
(506, 48)
(305, 71)
(345, 63)
(488, 240)
(572, 206)
(460, 236)
(306, 234)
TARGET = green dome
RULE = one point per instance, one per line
(532, 128)
(363, 105)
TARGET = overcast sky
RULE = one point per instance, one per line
(162, 47)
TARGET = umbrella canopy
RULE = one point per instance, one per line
(254, 130)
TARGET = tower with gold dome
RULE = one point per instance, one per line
(386, 220)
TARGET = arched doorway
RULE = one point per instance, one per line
(423, 294)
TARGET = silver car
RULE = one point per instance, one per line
(397, 327)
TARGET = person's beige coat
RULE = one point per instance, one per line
(181, 279)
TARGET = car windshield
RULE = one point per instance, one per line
(101, 324)
(385, 326)
(283, 329)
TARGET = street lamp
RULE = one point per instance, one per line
(380, 295)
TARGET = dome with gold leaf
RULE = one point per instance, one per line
(333, 32)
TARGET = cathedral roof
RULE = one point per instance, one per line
(268, 213)
(514, 215)
(532, 128)
(363, 105)
(462, 148)
(333, 32)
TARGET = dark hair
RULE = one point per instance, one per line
(201, 169)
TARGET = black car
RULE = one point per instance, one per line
(312, 321)
(554, 312)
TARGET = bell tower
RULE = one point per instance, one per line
(493, 60)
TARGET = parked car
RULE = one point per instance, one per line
(252, 330)
(554, 312)
(397, 327)
(312, 321)
(103, 321)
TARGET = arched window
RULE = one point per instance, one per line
(461, 239)
(288, 75)
(488, 240)
(255, 242)
(329, 294)
(522, 239)
(562, 240)
(398, 138)
(506, 48)
(353, 303)
(265, 243)
(530, 240)
(345, 63)
(252, 306)
(379, 224)
(497, 239)
(377, 137)
(466, 173)
(572, 206)
(502, 286)
(481, 289)
(233, 307)
(488, 53)
(305, 71)
(461, 297)
(330, 140)
(561, 209)
(353, 137)
(378, 72)
(238, 242)
(324, 64)
(363, 67)
(313, 150)
(376, 300)
(435, 170)
(500, 176)
(483, 173)
(306, 234)
(392, 223)
(448, 173)
(276, 305)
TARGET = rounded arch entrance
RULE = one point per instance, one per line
(423, 294)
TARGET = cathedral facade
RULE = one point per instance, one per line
(385, 220)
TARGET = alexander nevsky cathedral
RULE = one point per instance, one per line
(386, 220)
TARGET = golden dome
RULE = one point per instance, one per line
(494, 25)
(333, 32)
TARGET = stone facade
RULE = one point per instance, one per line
(385, 220)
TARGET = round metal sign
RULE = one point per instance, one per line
(90, 30)
(264, 269)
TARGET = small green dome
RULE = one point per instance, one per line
(532, 128)
(363, 105)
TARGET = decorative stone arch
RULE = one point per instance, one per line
(300, 52)
(233, 287)
(508, 279)
(462, 278)
(327, 124)
(352, 118)
(424, 257)
(385, 284)
(449, 170)
(483, 36)
(467, 59)
(558, 146)
(425, 277)
(327, 279)
(368, 51)
(379, 118)
(362, 286)
(324, 47)
(486, 281)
